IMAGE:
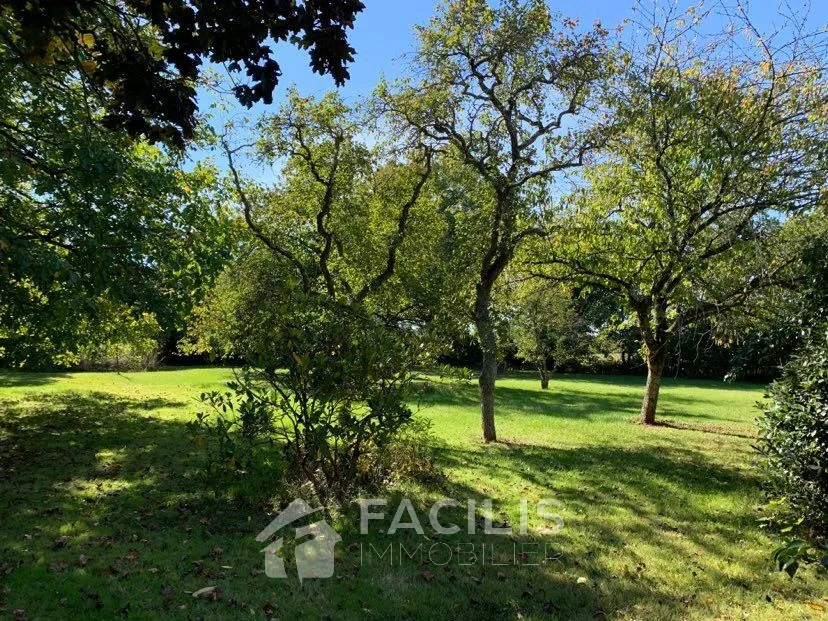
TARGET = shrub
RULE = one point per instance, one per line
(238, 455)
(327, 384)
(407, 456)
(793, 445)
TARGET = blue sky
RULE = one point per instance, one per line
(384, 34)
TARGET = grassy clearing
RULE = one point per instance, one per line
(103, 513)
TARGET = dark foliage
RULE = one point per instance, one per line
(794, 450)
(794, 429)
(141, 57)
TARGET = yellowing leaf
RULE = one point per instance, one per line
(86, 39)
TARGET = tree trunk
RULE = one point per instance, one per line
(655, 367)
(488, 372)
(487, 386)
(544, 374)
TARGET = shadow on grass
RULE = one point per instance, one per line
(620, 501)
(718, 430)
(101, 478)
(475, 575)
(560, 401)
(52, 440)
(638, 380)
(15, 379)
(99, 475)
(555, 402)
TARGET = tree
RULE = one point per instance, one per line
(101, 214)
(139, 59)
(497, 89)
(89, 207)
(771, 328)
(702, 195)
(546, 326)
(85, 212)
(329, 353)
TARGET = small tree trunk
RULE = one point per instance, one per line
(544, 374)
(488, 372)
(655, 367)
(487, 389)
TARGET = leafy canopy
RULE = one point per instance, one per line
(140, 59)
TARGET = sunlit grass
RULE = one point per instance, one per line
(104, 512)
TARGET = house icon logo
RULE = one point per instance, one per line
(314, 557)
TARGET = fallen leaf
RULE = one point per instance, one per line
(58, 566)
(582, 580)
(210, 592)
(83, 560)
(814, 605)
(427, 575)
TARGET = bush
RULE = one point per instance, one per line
(328, 384)
(793, 444)
(407, 456)
(238, 451)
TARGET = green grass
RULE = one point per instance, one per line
(659, 522)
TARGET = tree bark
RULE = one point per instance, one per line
(655, 367)
(544, 374)
(488, 372)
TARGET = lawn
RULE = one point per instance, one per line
(104, 513)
